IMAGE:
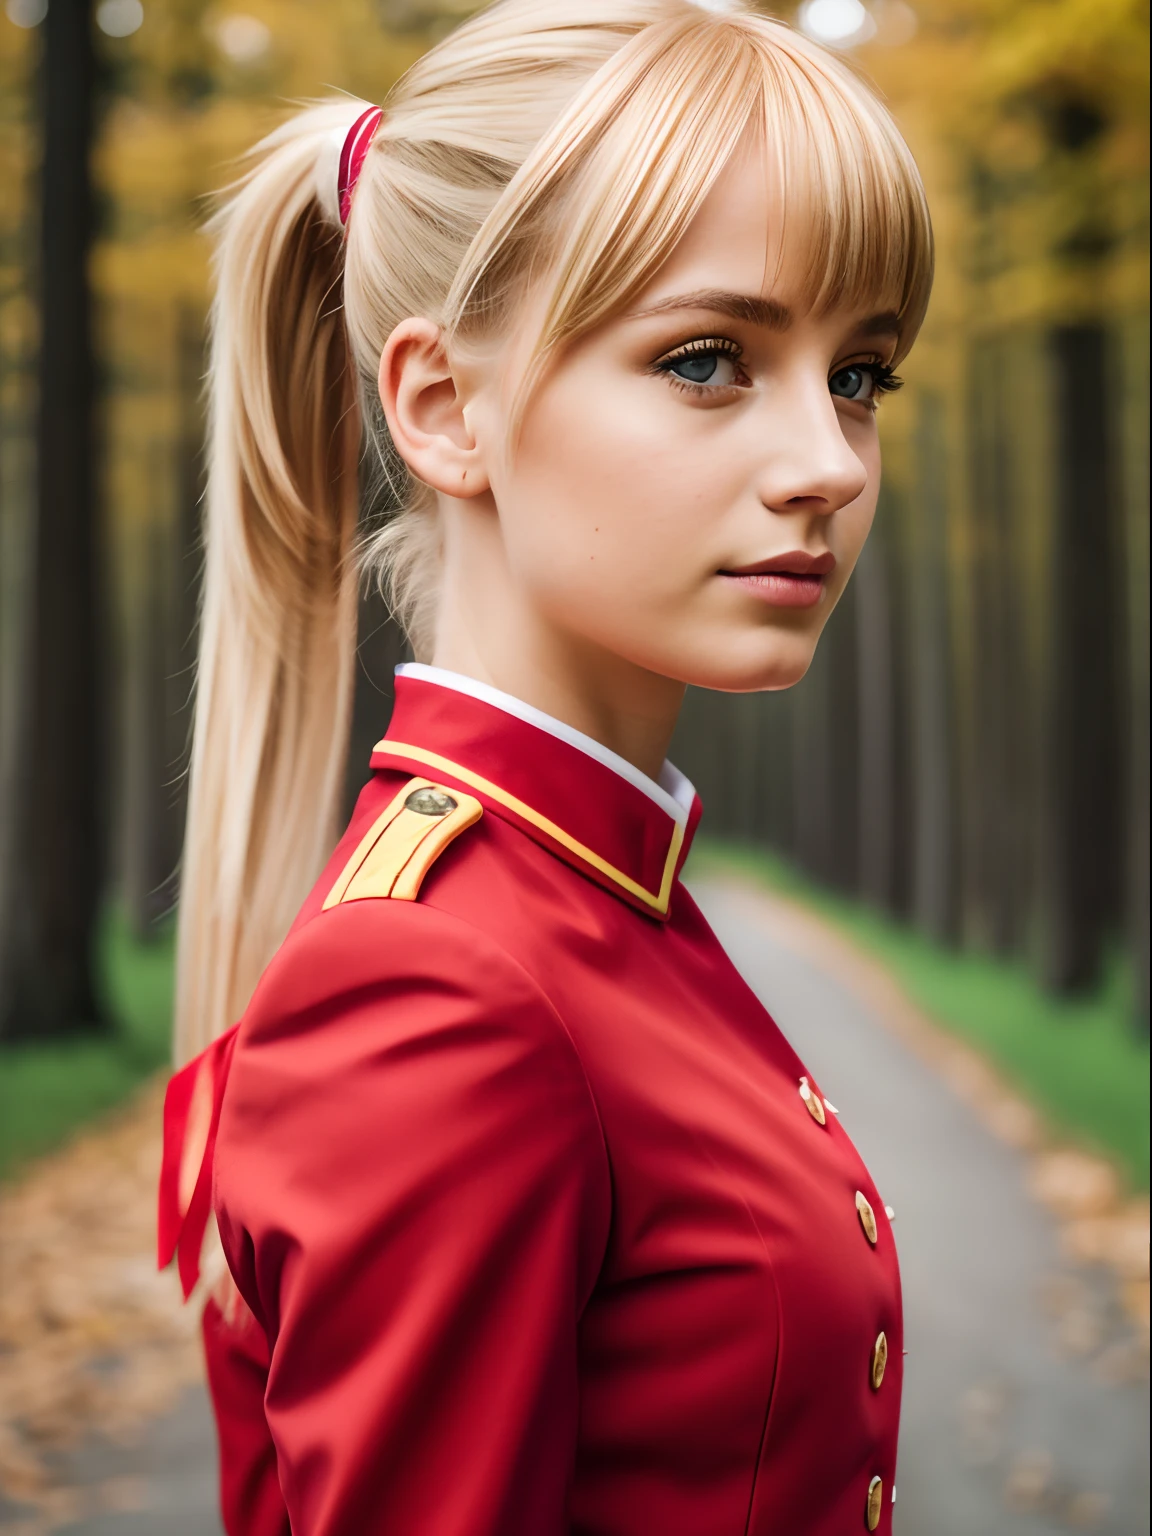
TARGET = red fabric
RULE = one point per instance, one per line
(634, 837)
(170, 1215)
(180, 1230)
(236, 1354)
(520, 1186)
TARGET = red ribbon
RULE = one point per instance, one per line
(181, 1229)
(356, 145)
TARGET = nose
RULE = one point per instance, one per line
(810, 467)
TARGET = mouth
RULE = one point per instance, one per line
(792, 580)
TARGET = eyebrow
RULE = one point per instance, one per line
(737, 306)
(755, 310)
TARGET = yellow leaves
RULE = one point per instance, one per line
(308, 51)
(198, 85)
(974, 57)
(1101, 43)
(1028, 119)
(168, 266)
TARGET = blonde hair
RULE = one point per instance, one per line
(558, 142)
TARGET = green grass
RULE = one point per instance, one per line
(1078, 1060)
(49, 1091)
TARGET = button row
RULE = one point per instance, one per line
(819, 1109)
(874, 1506)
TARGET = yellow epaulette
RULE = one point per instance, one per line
(404, 842)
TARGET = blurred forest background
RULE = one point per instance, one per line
(965, 770)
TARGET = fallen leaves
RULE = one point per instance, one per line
(1033, 1487)
(92, 1337)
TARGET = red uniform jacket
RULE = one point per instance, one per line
(542, 1227)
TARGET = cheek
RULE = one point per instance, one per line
(618, 508)
(601, 494)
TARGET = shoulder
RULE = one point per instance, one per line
(400, 829)
(367, 921)
(376, 927)
(377, 996)
(385, 955)
(392, 1054)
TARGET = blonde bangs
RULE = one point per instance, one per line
(606, 195)
(856, 218)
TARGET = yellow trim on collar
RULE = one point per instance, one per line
(659, 901)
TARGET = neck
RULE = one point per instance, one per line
(487, 631)
(636, 722)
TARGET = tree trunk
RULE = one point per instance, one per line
(47, 983)
(1084, 850)
(876, 675)
(161, 660)
(149, 761)
(993, 855)
(1133, 387)
(933, 837)
(380, 648)
(187, 557)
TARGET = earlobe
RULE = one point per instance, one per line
(425, 411)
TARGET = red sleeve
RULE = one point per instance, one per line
(236, 1355)
(413, 1194)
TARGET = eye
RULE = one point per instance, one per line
(704, 368)
(857, 382)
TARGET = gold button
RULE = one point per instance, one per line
(812, 1102)
(879, 1359)
(875, 1503)
(867, 1217)
(430, 802)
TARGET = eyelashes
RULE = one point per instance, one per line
(885, 379)
(863, 382)
(710, 365)
(703, 344)
(704, 366)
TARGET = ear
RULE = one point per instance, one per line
(425, 411)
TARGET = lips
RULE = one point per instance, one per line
(792, 580)
(797, 562)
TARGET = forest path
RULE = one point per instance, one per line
(1025, 1407)
(1024, 1410)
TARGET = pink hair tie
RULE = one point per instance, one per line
(356, 144)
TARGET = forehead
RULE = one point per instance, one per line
(733, 241)
(747, 237)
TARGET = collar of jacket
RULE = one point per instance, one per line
(575, 806)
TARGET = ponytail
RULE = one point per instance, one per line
(566, 141)
(278, 614)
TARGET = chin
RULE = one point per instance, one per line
(749, 667)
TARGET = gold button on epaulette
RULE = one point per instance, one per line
(430, 802)
(404, 842)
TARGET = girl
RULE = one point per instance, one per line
(535, 1222)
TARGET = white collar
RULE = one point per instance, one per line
(671, 792)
